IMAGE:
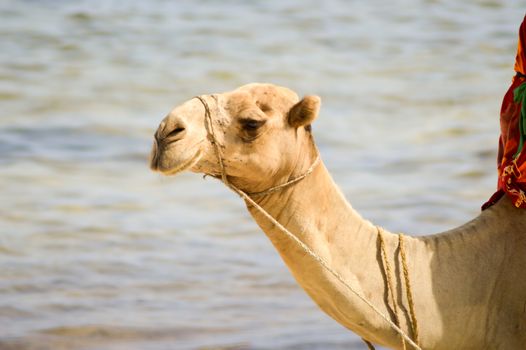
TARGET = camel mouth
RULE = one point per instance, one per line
(182, 166)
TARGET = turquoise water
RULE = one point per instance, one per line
(97, 252)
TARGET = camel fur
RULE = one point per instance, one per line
(468, 283)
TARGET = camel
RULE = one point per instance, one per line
(468, 283)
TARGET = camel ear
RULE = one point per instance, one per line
(304, 112)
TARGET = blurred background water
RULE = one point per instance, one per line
(97, 252)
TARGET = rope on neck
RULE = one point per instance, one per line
(290, 182)
(390, 288)
(389, 281)
(408, 289)
(294, 238)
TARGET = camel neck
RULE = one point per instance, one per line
(447, 269)
(307, 208)
(316, 212)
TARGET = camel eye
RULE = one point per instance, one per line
(251, 124)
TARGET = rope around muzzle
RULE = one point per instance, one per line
(212, 138)
(209, 125)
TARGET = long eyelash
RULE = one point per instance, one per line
(251, 123)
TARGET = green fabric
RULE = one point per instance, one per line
(519, 96)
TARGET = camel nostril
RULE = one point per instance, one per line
(176, 134)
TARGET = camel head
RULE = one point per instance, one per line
(262, 130)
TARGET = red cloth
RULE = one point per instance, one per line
(512, 167)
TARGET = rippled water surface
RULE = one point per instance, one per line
(97, 252)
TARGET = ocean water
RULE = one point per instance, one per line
(97, 252)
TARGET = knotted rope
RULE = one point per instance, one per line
(389, 281)
(211, 135)
(408, 289)
(391, 289)
(290, 182)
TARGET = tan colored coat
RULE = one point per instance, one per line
(468, 283)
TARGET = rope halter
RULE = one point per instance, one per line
(209, 125)
(247, 197)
